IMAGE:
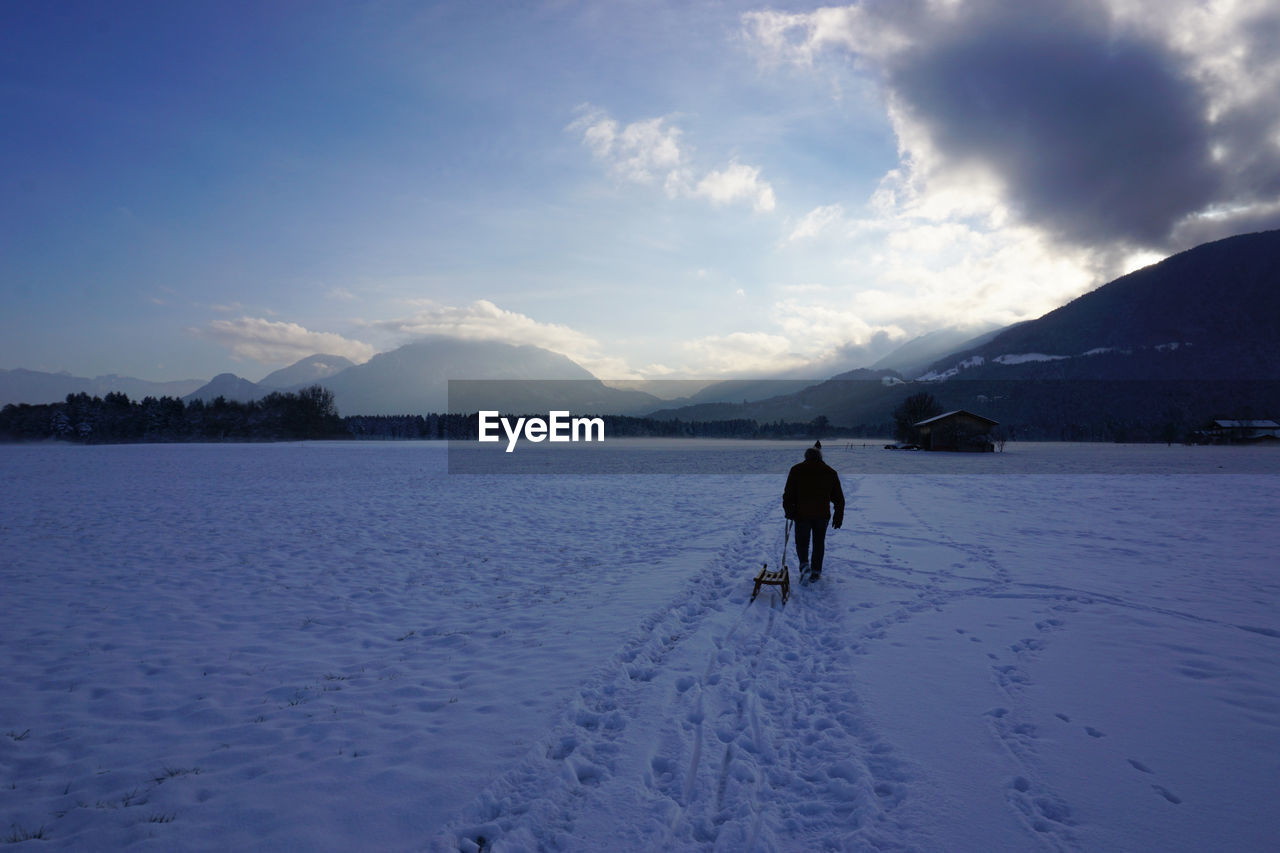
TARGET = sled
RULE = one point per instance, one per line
(779, 578)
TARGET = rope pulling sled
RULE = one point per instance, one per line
(781, 577)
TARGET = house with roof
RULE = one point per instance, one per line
(1228, 431)
(957, 430)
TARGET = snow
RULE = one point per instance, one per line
(936, 376)
(1029, 357)
(1025, 357)
(342, 646)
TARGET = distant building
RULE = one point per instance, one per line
(1240, 431)
(958, 430)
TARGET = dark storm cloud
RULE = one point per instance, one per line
(1098, 136)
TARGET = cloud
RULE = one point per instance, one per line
(932, 275)
(272, 342)
(651, 151)
(816, 222)
(904, 276)
(736, 183)
(738, 354)
(917, 275)
(803, 37)
(815, 343)
(1093, 137)
(1103, 123)
(483, 320)
(639, 152)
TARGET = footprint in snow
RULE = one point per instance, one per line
(1043, 811)
(587, 773)
(563, 749)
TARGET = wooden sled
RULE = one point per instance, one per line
(780, 578)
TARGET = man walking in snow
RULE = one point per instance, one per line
(813, 488)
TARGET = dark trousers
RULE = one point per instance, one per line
(818, 530)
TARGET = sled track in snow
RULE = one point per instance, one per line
(729, 725)
(723, 725)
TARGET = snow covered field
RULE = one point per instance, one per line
(342, 646)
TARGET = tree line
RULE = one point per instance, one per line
(1131, 413)
(311, 414)
(306, 414)
(467, 427)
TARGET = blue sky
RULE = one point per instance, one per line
(654, 189)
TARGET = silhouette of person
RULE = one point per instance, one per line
(812, 490)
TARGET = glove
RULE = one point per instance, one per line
(837, 521)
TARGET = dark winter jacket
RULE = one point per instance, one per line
(813, 487)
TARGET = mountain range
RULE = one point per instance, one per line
(438, 374)
(1207, 318)
(34, 386)
(1192, 337)
(1211, 313)
(915, 356)
(309, 371)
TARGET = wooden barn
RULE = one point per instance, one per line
(1243, 431)
(958, 430)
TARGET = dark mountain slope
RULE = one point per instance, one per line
(414, 379)
(308, 371)
(1212, 312)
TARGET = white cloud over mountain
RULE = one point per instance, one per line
(484, 320)
(275, 342)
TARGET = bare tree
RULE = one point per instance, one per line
(916, 408)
